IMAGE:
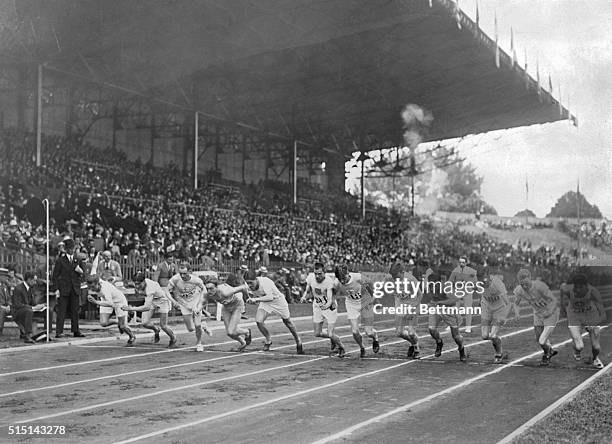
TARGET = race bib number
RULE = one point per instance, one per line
(581, 306)
(542, 302)
(321, 298)
(353, 294)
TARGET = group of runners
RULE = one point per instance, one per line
(580, 301)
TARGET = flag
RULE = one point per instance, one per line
(512, 49)
(477, 14)
(496, 43)
(550, 85)
(526, 73)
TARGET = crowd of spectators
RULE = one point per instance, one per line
(136, 211)
(597, 234)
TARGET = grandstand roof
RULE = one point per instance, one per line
(324, 72)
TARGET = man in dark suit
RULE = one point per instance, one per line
(23, 307)
(67, 275)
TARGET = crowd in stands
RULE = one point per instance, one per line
(597, 234)
(134, 210)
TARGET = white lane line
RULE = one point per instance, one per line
(555, 405)
(137, 355)
(199, 384)
(177, 330)
(348, 431)
(293, 395)
(232, 355)
(140, 347)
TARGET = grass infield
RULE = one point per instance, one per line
(587, 419)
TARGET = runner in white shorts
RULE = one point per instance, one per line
(545, 310)
(229, 295)
(156, 299)
(271, 301)
(111, 299)
(405, 324)
(444, 304)
(324, 307)
(495, 306)
(359, 302)
(585, 309)
(187, 291)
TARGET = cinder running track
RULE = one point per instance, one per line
(105, 393)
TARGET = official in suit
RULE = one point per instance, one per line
(67, 276)
(23, 306)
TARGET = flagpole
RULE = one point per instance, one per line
(526, 201)
(579, 224)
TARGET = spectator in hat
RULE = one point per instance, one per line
(109, 269)
(23, 306)
(67, 276)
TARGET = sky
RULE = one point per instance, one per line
(571, 40)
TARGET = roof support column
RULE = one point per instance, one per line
(195, 151)
(39, 116)
(295, 172)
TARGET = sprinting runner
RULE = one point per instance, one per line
(405, 324)
(271, 301)
(187, 291)
(324, 306)
(585, 309)
(359, 302)
(495, 306)
(111, 299)
(155, 300)
(442, 302)
(229, 295)
(463, 273)
(545, 310)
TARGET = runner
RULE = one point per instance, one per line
(495, 307)
(155, 300)
(444, 304)
(324, 306)
(271, 301)
(111, 299)
(405, 324)
(545, 310)
(359, 303)
(584, 307)
(187, 291)
(229, 295)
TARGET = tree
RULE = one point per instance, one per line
(444, 183)
(525, 213)
(567, 206)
